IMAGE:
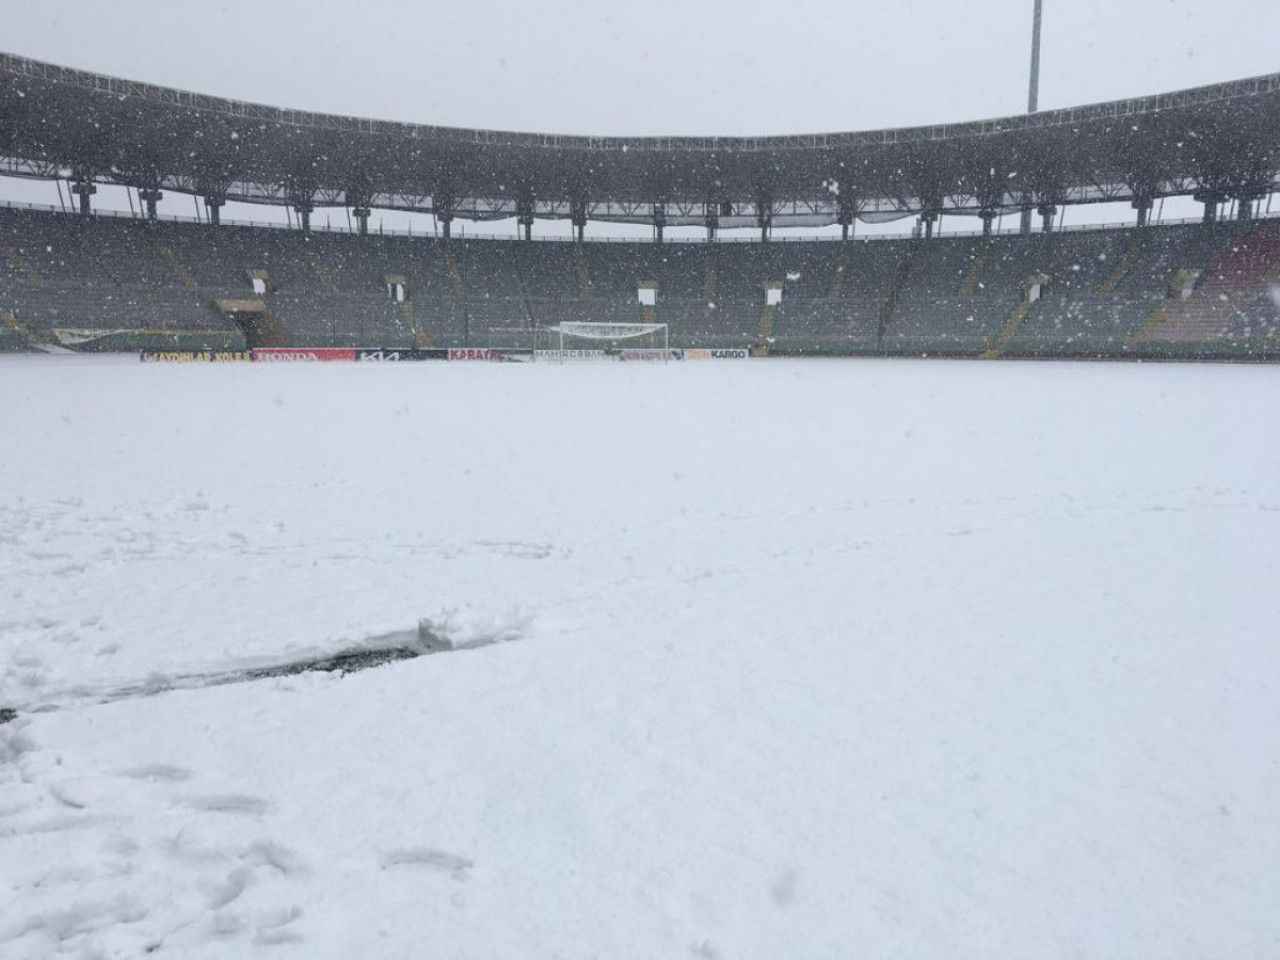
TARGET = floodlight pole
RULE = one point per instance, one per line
(1033, 94)
(1033, 91)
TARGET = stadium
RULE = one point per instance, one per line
(1147, 290)
(852, 640)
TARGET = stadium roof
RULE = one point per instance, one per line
(1215, 141)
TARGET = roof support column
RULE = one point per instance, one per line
(1024, 224)
(1143, 205)
(303, 209)
(357, 199)
(764, 217)
(844, 214)
(578, 215)
(1047, 212)
(84, 189)
(213, 208)
(659, 220)
(711, 218)
(1210, 199)
(1246, 199)
(524, 216)
(442, 211)
(987, 217)
(150, 196)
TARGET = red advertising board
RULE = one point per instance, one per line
(473, 353)
(302, 354)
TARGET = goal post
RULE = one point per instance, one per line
(600, 340)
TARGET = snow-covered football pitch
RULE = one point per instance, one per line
(727, 660)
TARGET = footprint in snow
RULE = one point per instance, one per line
(431, 858)
(268, 853)
(229, 803)
(273, 928)
(158, 773)
(228, 891)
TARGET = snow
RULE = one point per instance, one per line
(887, 658)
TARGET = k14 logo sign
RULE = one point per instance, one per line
(401, 356)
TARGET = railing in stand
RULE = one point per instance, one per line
(111, 214)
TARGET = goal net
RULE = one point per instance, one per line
(600, 341)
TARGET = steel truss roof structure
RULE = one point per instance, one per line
(1214, 142)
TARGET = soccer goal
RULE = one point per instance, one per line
(600, 341)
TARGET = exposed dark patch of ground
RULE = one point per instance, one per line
(377, 651)
(348, 661)
(342, 662)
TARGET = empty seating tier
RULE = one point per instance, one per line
(1208, 290)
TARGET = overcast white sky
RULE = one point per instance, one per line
(660, 66)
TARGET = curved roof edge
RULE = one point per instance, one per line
(103, 83)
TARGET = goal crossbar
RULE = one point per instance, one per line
(605, 332)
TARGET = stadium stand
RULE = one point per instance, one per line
(1195, 290)
(1185, 290)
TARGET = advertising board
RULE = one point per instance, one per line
(407, 355)
(302, 354)
(195, 356)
